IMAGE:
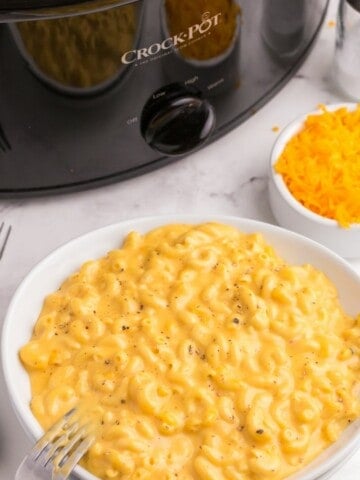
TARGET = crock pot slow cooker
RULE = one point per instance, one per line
(97, 91)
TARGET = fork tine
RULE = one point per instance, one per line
(58, 429)
(60, 472)
(56, 454)
(58, 442)
(63, 445)
(79, 436)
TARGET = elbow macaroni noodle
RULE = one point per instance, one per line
(202, 355)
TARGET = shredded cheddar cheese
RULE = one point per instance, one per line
(321, 165)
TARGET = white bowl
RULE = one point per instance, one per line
(52, 271)
(291, 214)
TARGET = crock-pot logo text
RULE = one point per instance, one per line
(177, 41)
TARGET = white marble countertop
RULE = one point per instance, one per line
(227, 177)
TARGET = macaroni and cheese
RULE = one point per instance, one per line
(203, 355)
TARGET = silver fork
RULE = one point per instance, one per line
(56, 454)
(4, 240)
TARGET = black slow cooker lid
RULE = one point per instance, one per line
(21, 5)
(24, 10)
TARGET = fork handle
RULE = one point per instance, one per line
(24, 470)
(29, 471)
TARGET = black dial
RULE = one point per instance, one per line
(177, 120)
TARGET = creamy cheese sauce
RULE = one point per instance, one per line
(202, 355)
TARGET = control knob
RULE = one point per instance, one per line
(177, 120)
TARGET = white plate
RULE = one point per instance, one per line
(52, 271)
